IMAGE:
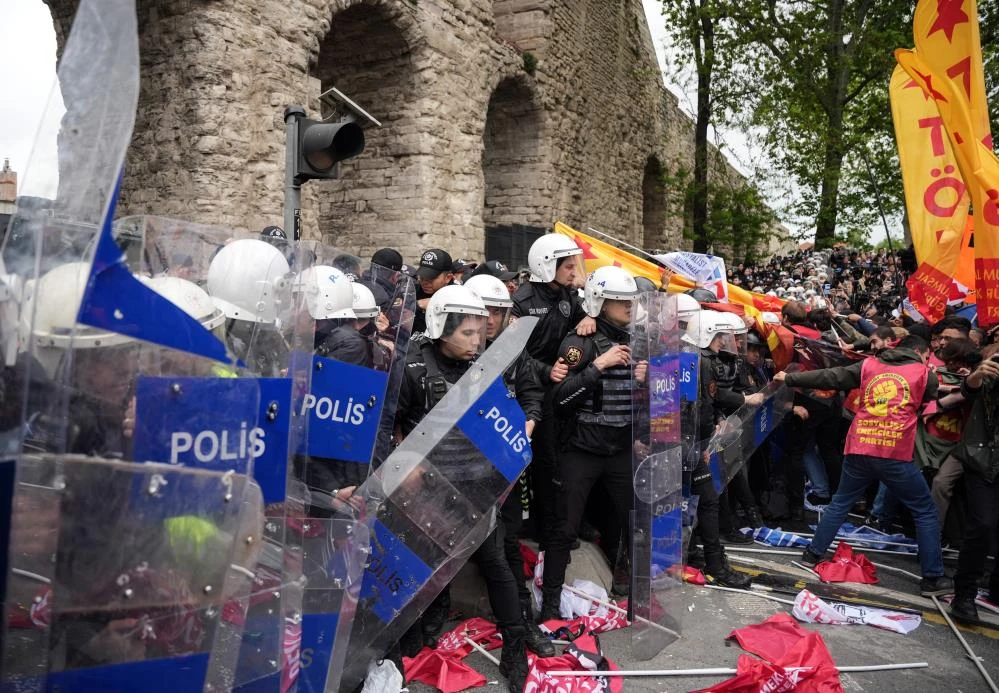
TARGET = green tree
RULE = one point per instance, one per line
(821, 101)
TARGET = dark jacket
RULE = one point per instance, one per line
(847, 378)
(523, 380)
(558, 311)
(979, 446)
(582, 382)
(347, 345)
(416, 398)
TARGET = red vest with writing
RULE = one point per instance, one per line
(890, 398)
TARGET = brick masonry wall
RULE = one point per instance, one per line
(468, 137)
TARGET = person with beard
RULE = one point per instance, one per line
(556, 268)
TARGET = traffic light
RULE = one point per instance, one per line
(321, 146)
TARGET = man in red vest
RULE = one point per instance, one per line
(879, 447)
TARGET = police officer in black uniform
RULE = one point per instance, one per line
(593, 406)
(551, 296)
(708, 331)
(523, 381)
(734, 381)
(436, 271)
(454, 335)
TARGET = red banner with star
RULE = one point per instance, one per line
(947, 41)
(980, 169)
(935, 195)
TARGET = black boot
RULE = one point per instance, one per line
(513, 661)
(726, 577)
(963, 608)
(550, 601)
(536, 641)
(432, 621)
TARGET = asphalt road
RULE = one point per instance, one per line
(708, 616)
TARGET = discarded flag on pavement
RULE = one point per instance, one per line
(796, 660)
(846, 565)
(810, 609)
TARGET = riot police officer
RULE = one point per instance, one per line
(250, 281)
(523, 381)
(455, 334)
(709, 331)
(736, 385)
(593, 404)
(556, 267)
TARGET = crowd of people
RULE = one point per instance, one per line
(891, 417)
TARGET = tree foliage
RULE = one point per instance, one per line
(810, 79)
(738, 222)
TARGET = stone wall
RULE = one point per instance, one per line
(469, 137)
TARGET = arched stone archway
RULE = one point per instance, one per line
(377, 200)
(514, 164)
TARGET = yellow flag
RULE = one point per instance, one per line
(935, 194)
(597, 253)
(947, 41)
(980, 169)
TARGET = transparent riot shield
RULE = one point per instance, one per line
(247, 284)
(657, 460)
(432, 503)
(690, 438)
(362, 330)
(739, 435)
(134, 471)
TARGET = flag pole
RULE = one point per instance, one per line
(728, 672)
(651, 257)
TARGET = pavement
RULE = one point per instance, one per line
(708, 616)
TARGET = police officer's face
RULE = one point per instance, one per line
(464, 343)
(568, 272)
(494, 323)
(617, 312)
(429, 286)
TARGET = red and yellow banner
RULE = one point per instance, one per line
(980, 169)
(948, 66)
(597, 253)
(935, 195)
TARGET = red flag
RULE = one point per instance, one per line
(444, 671)
(478, 630)
(583, 654)
(847, 566)
(797, 659)
(754, 675)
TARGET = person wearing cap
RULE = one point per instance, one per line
(500, 271)
(436, 270)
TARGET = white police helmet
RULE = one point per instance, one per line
(328, 292)
(490, 289)
(547, 251)
(364, 305)
(686, 305)
(190, 298)
(451, 300)
(607, 282)
(248, 280)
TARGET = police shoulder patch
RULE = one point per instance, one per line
(573, 355)
(712, 389)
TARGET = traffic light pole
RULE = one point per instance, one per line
(292, 188)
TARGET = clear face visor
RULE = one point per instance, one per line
(464, 336)
(731, 343)
(499, 318)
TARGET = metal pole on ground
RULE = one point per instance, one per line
(967, 647)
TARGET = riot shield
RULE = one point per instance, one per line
(739, 435)
(690, 439)
(657, 460)
(255, 313)
(432, 503)
(356, 370)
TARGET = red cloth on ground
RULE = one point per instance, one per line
(443, 670)
(847, 565)
(477, 630)
(784, 645)
(583, 654)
